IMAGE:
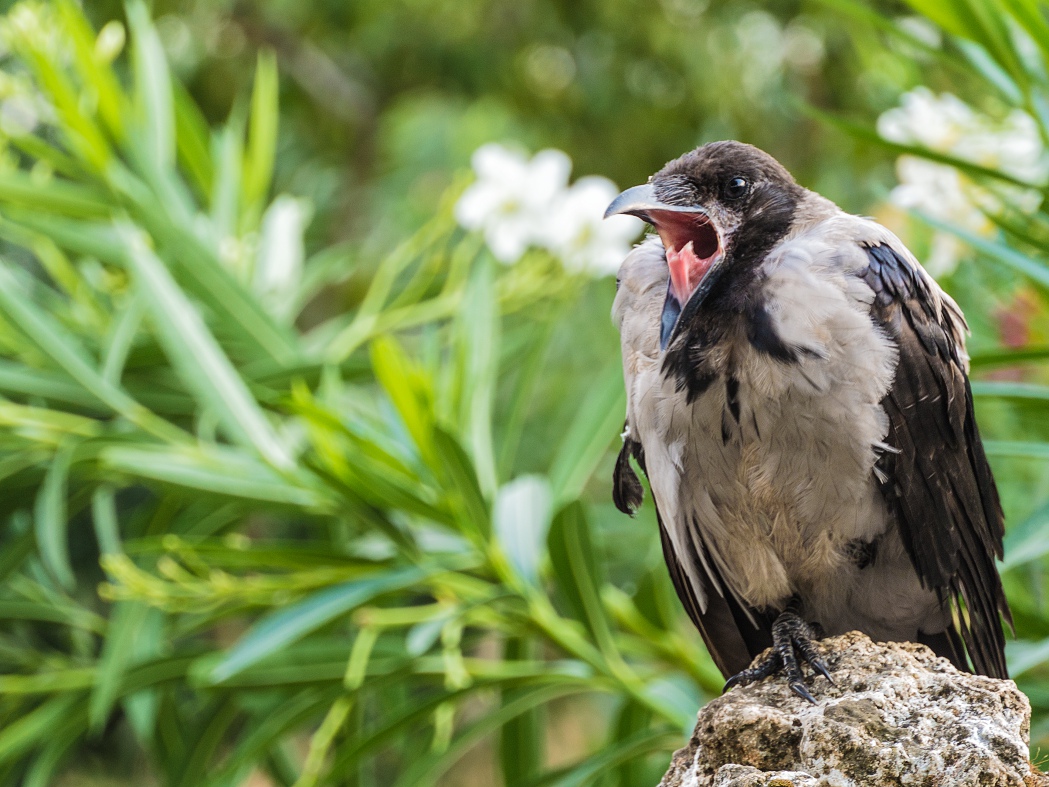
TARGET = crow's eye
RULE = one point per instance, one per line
(736, 188)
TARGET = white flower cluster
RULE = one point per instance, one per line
(946, 124)
(519, 203)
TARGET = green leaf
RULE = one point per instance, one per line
(574, 559)
(262, 131)
(1019, 392)
(66, 615)
(460, 483)
(192, 133)
(623, 751)
(1008, 357)
(117, 655)
(228, 153)
(279, 629)
(153, 96)
(201, 364)
(1017, 448)
(26, 732)
(425, 771)
(407, 388)
(632, 721)
(103, 82)
(51, 520)
(1029, 540)
(268, 725)
(521, 738)
(521, 519)
(478, 358)
(76, 200)
(598, 422)
(212, 469)
(214, 725)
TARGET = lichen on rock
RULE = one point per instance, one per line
(895, 715)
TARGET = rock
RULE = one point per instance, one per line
(896, 715)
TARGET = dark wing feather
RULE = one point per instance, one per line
(939, 485)
(731, 637)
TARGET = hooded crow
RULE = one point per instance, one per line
(797, 395)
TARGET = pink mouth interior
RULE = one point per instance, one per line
(692, 245)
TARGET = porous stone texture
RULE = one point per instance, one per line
(896, 715)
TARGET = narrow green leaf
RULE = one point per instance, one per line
(624, 751)
(50, 519)
(1008, 357)
(201, 364)
(212, 469)
(228, 154)
(118, 649)
(1027, 541)
(632, 721)
(153, 98)
(104, 517)
(409, 392)
(425, 771)
(77, 200)
(521, 738)
(17, 380)
(279, 629)
(192, 133)
(270, 725)
(945, 14)
(122, 338)
(215, 726)
(65, 350)
(66, 615)
(460, 483)
(99, 75)
(262, 131)
(1020, 392)
(24, 734)
(48, 763)
(1020, 449)
(573, 556)
(52, 681)
(598, 422)
(1024, 655)
(1037, 272)
(522, 513)
(478, 352)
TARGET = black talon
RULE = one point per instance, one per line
(791, 637)
(763, 669)
(821, 668)
(799, 688)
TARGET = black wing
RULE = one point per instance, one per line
(939, 485)
(732, 637)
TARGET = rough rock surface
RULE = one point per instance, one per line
(897, 715)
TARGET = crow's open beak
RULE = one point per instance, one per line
(693, 247)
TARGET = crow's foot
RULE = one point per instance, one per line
(791, 637)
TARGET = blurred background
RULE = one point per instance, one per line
(309, 404)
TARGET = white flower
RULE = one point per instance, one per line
(281, 253)
(520, 203)
(579, 235)
(510, 201)
(947, 124)
(936, 122)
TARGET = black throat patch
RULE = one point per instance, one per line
(690, 359)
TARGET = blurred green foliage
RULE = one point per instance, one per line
(300, 486)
